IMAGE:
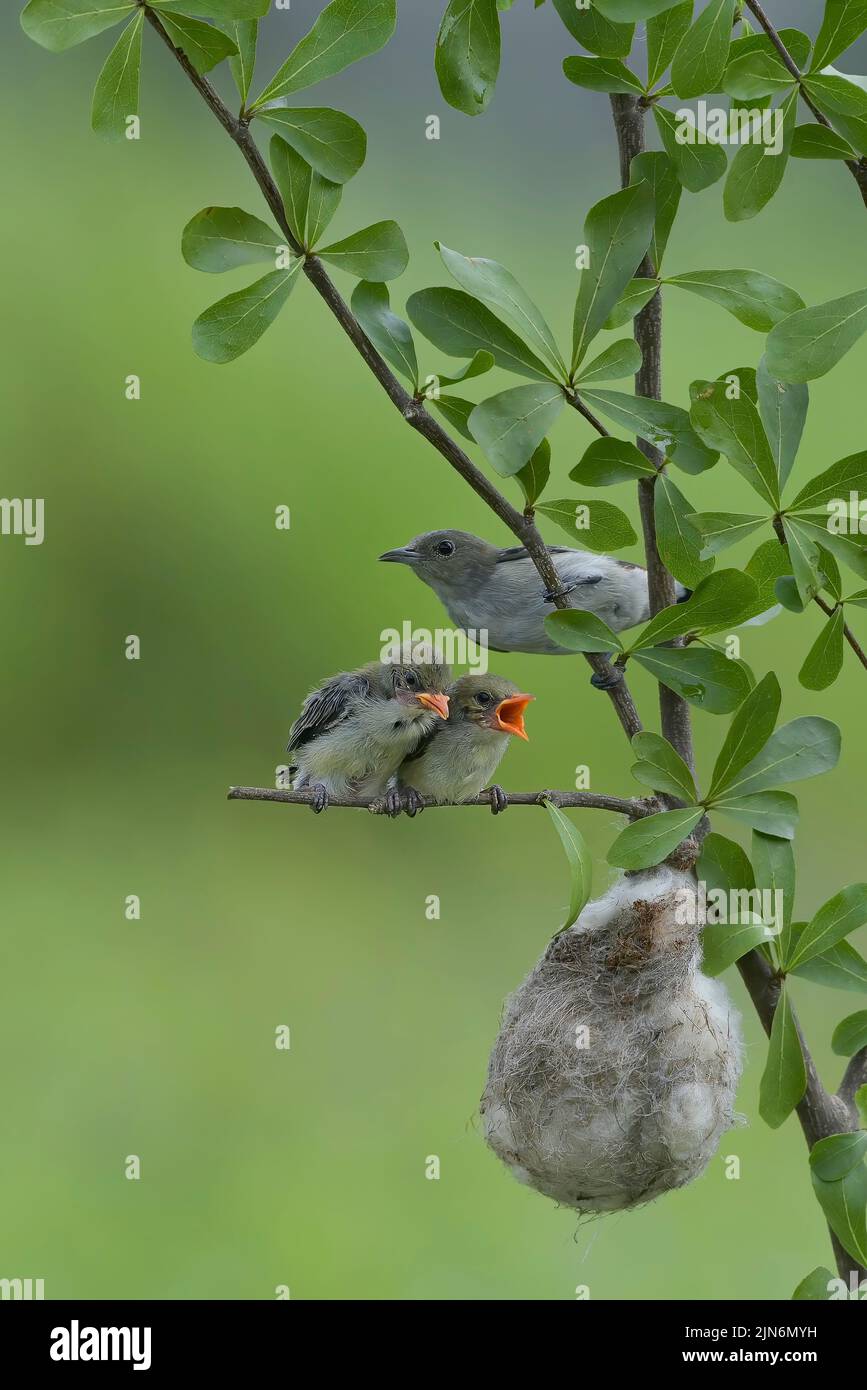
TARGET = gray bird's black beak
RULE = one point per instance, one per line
(404, 555)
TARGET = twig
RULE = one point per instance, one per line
(634, 808)
(854, 1077)
(856, 167)
(673, 709)
(412, 410)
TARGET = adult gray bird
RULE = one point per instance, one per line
(460, 757)
(486, 589)
(356, 729)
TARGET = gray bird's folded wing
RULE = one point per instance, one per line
(326, 708)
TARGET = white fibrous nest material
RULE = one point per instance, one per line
(615, 1069)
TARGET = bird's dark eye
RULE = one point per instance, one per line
(484, 699)
(445, 548)
(411, 679)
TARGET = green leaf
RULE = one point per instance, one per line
(627, 11)
(834, 1157)
(617, 233)
(814, 141)
(511, 425)
(678, 542)
(773, 813)
(460, 325)
(850, 1037)
(661, 767)
(734, 427)
(724, 865)
(838, 918)
(345, 31)
(750, 730)
(756, 173)
(848, 475)
(804, 748)
(219, 239)
(717, 603)
(809, 343)
(758, 73)
(754, 299)
(706, 678)
(332, 142)
(480, 363)
(598, 525)
(232, 325)
(702, 54)
(204, 44)
(244, 34)
(533, 477)
(60, 24)
(840, 968)
(622, 358)
(664, 33)
(467, 58)
(378, 252)
(611, 460)
(844, 102)
(657, 170)
(497, 287)
(844, 22)
(456, 411)
(783, 410)
(816, 1287)
(831, 570)
(774, 862)
(637, 293)
(116, 93)
(309, 200)
(216, 9)
(580, 862)
(859, 600)
(648, 841)
(594, 32)
(805, 560)
(389, 334)
(699, 162)
(765, 566)
(825, 659)
(823, 533)
(725, 942)
(580, 631)
(719, 530)
(665, 426)
(785, 1077)
(844, 1203)
(601, 74)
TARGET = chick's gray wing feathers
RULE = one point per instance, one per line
(520, 552)
(326, 708)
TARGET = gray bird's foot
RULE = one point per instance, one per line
(551, 594)
(499, 799)
(320, 798)
(607, 682)
(413, 804)
(393, 802)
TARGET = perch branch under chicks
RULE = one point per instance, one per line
(634, 807)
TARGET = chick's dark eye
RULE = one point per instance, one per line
(483, 698)
(445, 548)
(411, 679)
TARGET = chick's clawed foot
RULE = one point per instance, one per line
(319, 800)
(609, 682)
(413, 804)
(499, 799)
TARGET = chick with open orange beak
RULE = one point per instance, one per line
(459, 758)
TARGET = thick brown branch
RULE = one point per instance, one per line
(674, 711)
(412, 410)
(854, 1077)
(856, 167)
(634, 808)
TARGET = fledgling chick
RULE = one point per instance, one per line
(357, 728)
(499, 591)
(461, 756)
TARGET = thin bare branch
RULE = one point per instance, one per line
(634, 807)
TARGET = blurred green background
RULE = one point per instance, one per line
(156, 1037)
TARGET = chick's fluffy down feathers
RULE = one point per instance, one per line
(614, 1073)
